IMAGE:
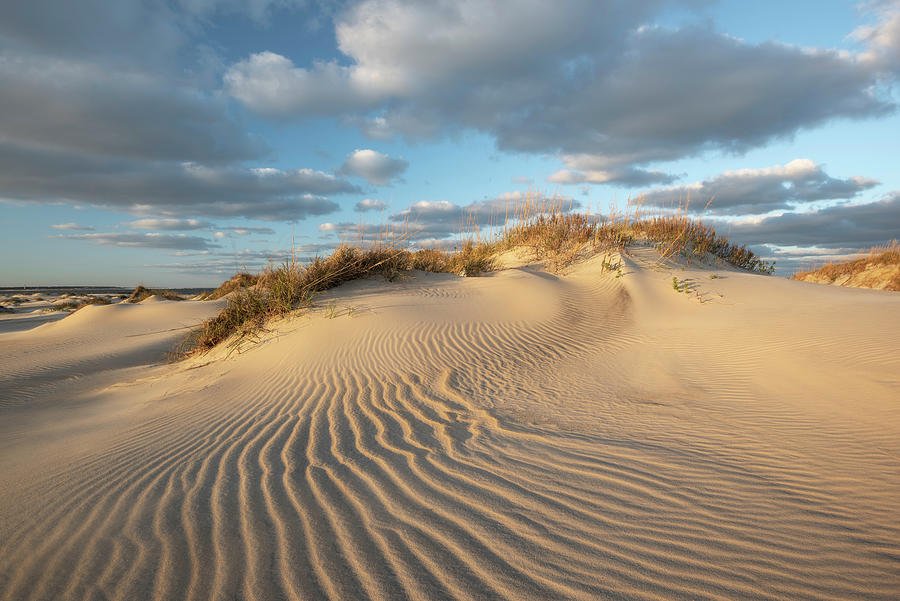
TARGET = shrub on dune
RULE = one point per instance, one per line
(75, 305)
(141, 293)
(238, 281)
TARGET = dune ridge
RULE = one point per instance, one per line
(519, 436)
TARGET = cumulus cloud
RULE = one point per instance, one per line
(169, 224)
(370, 204)
(114, 106)
(881, 39)
(574, 77)
(72, 226)
(248, 230)
(846, 225)
(434, 220)
(402, 49)
(376, 168)
(594, 173)
(147, 240)
(746, 191)
(91, 109)
(227, 264)
(168, 189)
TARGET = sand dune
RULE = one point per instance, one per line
(522, 435)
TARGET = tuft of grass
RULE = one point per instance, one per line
(559, 238)
(473, 259)
(140, 293)
(292, 286)
(877, 257)
(75, 305)
(238, 281)
(431, 260)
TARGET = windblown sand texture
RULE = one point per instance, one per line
(521, 435)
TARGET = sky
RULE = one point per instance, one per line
(175, 142)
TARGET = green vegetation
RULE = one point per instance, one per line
(78, 304)
(140, 293)
(238, 281)
(554, 237)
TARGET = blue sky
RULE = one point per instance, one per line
(171, 143)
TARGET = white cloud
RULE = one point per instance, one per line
(247, 230)
(147, 240)
(428, 222)
(168, 224)
(377, 168)
(881, 39)
(761, 190)
(567, 176)
(167, 189)
(599, 169)
(577, 78)
(370, 204)
(72, 226)
(852, 226)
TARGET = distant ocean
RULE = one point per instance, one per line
(56, 290)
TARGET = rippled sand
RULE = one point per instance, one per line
(517, 436)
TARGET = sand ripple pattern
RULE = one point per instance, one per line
(397, 466)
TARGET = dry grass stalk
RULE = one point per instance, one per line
(544, 225)
(877, 256)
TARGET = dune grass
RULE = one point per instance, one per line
(553, 236)
(876, 257)
(238, 281)
(559, 238)
(75, 305)
(140, 293)
(279, 291)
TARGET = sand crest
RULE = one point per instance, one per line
(522, 435)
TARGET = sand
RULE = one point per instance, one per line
(878, 277)
(522, 435)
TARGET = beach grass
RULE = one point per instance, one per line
(878, 256)
(141, 293)
(78, 304)
(552, 235)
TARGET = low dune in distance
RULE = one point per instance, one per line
(656, 432)
(880, 270)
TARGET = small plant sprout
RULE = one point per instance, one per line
(331, 310)
(675, 284)
(713, 276)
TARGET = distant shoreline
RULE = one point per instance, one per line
(6, 290)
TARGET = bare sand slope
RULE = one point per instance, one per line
(516, 436)
(93, 341)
